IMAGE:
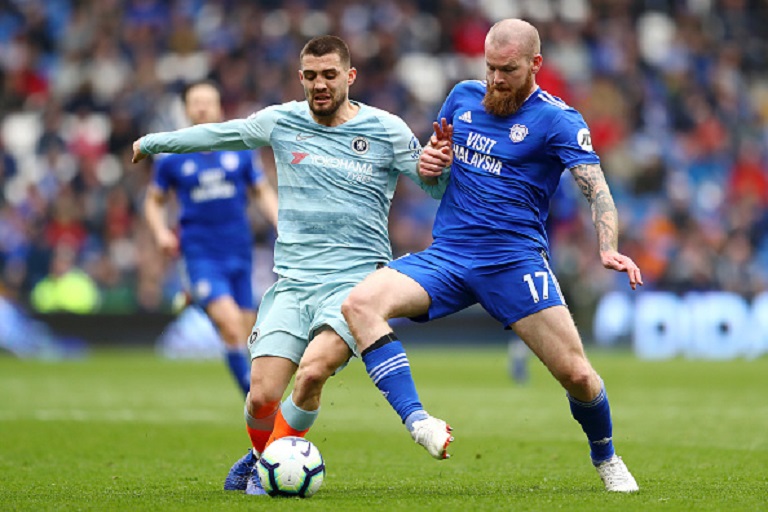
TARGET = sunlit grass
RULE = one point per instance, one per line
(131, 431)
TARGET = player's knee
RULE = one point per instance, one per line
(232, 336)
(312, 376)
(356, 306)
(349, 307)
(579, 379)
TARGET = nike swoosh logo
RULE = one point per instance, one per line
(302, 136)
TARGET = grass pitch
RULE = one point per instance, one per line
(131, 431)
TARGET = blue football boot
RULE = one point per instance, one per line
(237, 479)
(254, 486)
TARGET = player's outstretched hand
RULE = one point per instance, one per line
(138, 156)
(443, 135)
(616, 261)
(439, 153)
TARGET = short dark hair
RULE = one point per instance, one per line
(191, 85)
(323, 45)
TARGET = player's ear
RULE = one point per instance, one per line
(351, 76)
(537, 61)
(301, 76)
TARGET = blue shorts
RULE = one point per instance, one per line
(509, 283)
(210, 279)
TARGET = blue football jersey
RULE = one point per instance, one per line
(506, 169)
(212, 191)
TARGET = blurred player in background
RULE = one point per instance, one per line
(338, 162)
(511, 142)
(216, 243)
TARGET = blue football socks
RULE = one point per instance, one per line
(389, 369)
(240, 367)
(595, 420)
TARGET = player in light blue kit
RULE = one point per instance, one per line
(216, 244)
(338, 162)
(511, 142)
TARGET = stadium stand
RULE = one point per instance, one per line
(675, 92)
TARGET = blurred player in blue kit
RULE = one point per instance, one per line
(216, 242)
(511, 142)
(338, 162)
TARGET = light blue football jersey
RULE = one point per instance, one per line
(506, 169)
(335, 184)
(212, 191)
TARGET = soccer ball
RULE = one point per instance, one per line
(291, 466)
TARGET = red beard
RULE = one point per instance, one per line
(506, 103)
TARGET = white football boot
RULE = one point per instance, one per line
(616, 476)
(433, 434)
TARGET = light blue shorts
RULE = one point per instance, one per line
(292, 313)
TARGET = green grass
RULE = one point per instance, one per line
(130, 431)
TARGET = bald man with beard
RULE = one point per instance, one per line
(510, 141)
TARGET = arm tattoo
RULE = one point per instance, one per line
(591, 181)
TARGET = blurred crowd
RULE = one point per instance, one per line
(675, 93)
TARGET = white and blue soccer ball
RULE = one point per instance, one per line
(291, 466)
